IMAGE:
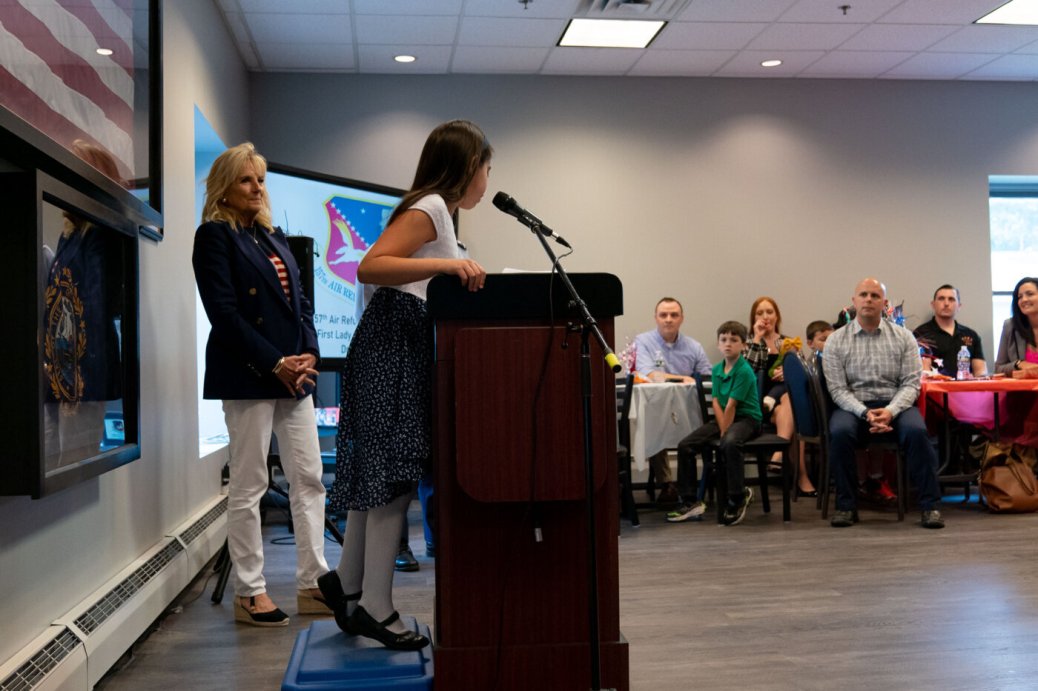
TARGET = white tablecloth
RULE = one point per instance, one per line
(661, 416)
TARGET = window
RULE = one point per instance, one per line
(1014, 240)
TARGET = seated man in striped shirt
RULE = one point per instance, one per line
(872, 369)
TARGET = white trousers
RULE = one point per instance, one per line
(249, 424)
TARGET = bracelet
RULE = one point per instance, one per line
(280, 366)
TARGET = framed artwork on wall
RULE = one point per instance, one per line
(74, 321)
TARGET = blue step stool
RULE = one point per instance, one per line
(324, 658)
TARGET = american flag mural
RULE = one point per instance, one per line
(52, 76)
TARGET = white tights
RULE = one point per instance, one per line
(368, 552)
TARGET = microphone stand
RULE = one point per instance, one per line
(589, 327)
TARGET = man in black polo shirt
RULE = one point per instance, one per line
(942, 337)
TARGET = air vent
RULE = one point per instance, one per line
(632, 9)
(107, 605)
(199, 526)
(32, 673)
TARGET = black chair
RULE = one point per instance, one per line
(887, 442)
(758, 450)
(628, 507)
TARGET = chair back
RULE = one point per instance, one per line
(704, 388)
(623, 409)
(795, 373)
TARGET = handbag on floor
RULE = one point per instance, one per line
(1007, 480)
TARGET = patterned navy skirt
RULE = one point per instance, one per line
(384, 441)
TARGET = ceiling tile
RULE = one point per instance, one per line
(938, 65)
(854, 64)
(747, 64)
(279, 6)
(295, 28)
(804, 36)
(378, 59)
(405, 7)
(1029, 49)
(1008, 67)
(680, 63)
(311, 56)
(831, 12)
(707, 35)
(898, 37)
(734, 10)
(987, 39)
(420, 31)
(591, 61)
(498, 31)
(537, 9)
(489, 60)
(940, 11)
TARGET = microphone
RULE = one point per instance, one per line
(511, 207)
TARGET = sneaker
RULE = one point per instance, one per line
(687, 511)
(932, 519)
(733, 514)
(884, 493)
(844, 519)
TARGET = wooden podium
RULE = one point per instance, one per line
(512, 612)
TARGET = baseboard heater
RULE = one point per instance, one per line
(81, 646)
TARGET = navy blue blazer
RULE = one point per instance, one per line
(253, 324)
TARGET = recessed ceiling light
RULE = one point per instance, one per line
(405, 58)
(771, 63)
(104, 51)
(1013, 12)
(610, 33)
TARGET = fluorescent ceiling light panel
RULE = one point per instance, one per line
(1023, 12)
(610, 33)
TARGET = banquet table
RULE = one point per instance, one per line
(1006, 408)
(661, 416)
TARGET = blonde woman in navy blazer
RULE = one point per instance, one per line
(260, 360)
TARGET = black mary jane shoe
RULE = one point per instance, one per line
(331, 590)
(362, 624)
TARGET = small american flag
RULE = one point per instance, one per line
(52, 76)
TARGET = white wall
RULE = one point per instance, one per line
(57, 550)
(714, 191)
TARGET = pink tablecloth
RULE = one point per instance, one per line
(974, 402)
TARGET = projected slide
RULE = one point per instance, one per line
(344, 217)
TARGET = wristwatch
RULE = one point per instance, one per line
(864, 414)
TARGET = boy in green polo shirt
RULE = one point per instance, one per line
(737, 419)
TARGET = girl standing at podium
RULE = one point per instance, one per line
(384, 442)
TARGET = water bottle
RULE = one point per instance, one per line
(659, 362)
(962, 364)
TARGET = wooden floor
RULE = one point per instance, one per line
(762, 605)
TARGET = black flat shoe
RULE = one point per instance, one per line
(362, 624)
(812, 494)
(405, 560)
(331, 589)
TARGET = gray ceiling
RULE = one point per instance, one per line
(873, 39)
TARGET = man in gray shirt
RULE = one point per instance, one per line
(872, 369)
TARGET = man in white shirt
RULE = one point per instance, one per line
(666, 354)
